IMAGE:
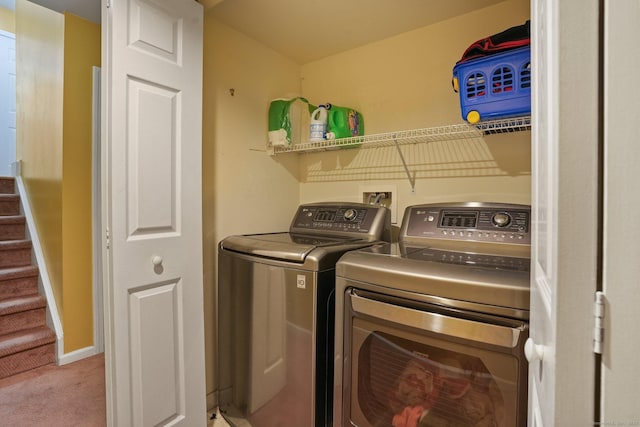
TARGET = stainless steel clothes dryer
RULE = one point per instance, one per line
(430, 331)
(276, 314)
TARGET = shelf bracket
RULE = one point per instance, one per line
(412, 180)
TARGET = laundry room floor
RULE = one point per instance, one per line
(52, 395)
(219, 421)
(61, 396)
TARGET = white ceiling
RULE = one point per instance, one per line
(307, 30)
(88, 9)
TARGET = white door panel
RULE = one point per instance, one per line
(157, 360)
(543, 210)
(151, 170)
(152, 64)
(564, 210)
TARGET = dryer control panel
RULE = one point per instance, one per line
(469, 222)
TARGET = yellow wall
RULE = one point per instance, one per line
(7, 20)
(81, 53)
(55, 54)
(245, 191)
(39, 87)
(404, 82)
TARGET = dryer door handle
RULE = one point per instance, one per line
(485, 333)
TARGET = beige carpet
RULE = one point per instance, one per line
(65, 396)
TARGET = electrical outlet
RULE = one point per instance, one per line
(384, 195)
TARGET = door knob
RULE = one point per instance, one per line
(533, 351)
(156, 260)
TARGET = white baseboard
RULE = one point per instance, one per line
(76, 355)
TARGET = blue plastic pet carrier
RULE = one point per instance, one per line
(495, 86)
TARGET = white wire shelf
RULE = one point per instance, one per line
(415, 136)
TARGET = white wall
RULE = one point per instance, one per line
(404, 82)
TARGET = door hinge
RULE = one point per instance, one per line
(107, 239)
(598, 328)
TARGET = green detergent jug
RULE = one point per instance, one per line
(344, 122)
(281, 122)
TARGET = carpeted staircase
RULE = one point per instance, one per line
(26, 342)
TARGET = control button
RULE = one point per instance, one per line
(461, 234)
(350, 214)
(430, 218)
(444, 232)
(470, 233)
(501, 219)
(520, 237)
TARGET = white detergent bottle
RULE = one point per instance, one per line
(318, 126)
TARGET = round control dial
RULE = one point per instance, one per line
(501, 219)
(350, 214)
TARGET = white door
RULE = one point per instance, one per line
(7, 102)
(152, 121)
(621, 243)
(564, 211)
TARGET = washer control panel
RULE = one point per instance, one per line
(333, 218)
(341, 218)
(471, 221)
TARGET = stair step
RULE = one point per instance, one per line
(15, 253)
(18, 281)
(14, 305)
(22, 313)
(25, 350)
(26, 342)
(7, 185)
(23, 340)
(12, 227)
(9, 204)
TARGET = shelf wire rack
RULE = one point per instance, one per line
(413, 136)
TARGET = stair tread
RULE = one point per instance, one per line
(12, 219)
(15, 244)
(22, 303)
(19, 341)
(18, 272)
